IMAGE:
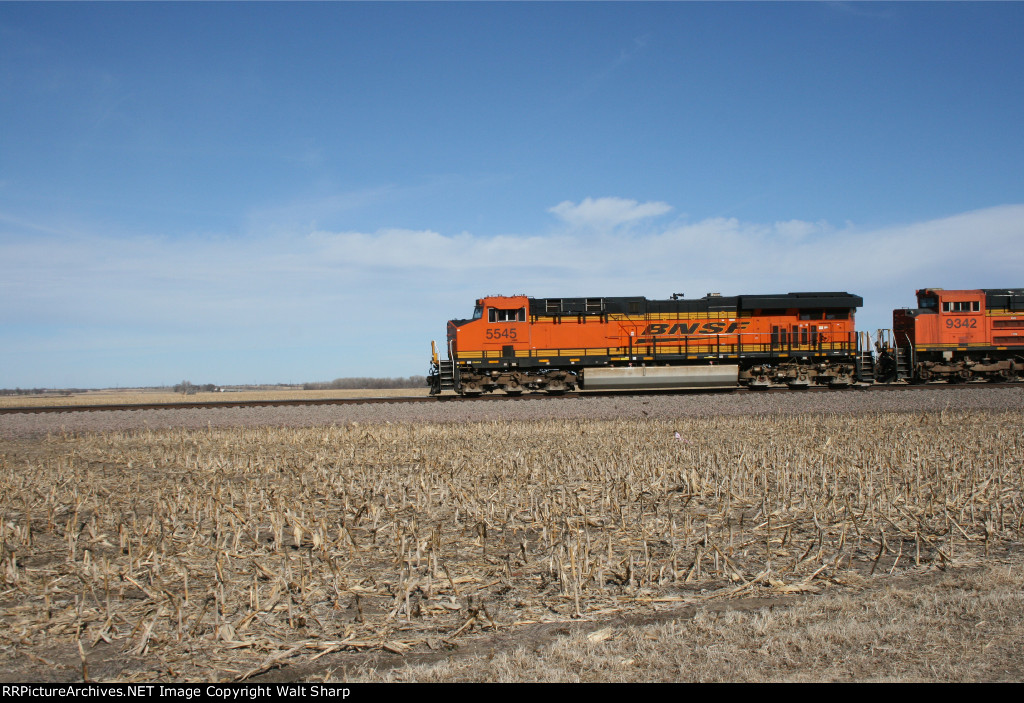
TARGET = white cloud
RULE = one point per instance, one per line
(980, 248)
(795, 230)
(423, 250)
(606, 213)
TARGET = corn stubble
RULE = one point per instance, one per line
(221, 554)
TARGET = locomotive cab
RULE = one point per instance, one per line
(485, 346)
(958, 335)
(943, 320)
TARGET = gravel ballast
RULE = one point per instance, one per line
(931, 399)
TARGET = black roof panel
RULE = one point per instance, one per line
(709, 303)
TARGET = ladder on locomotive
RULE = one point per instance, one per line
(904, 357)
(447, 372)
(865, 359)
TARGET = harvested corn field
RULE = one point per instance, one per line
(239, 553)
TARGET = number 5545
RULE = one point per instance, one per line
(507, 333)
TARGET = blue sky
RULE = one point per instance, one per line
(257, 193)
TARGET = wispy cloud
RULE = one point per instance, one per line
(57, 270)
(309, 212)
(603, 214)
(601, 75)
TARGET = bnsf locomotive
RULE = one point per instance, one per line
(517, 343)
(961, 335)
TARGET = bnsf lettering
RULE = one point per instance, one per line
(696, 328)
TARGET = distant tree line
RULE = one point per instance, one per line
(366, 383)
(39, 391)
(188, 388)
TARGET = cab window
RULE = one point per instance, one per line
(961, 306)
(499, 315)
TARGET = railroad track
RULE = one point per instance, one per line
(482, 398)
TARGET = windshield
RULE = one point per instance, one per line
(478, 312)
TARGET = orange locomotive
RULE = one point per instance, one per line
(517, 343)
(962, 335)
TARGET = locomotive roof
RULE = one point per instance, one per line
(995, 298)
(1005, 298)
(709, 303)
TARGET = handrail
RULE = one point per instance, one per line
(455, 364)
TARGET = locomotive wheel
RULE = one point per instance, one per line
(472, 389)
(758, 383)
(513, 388)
